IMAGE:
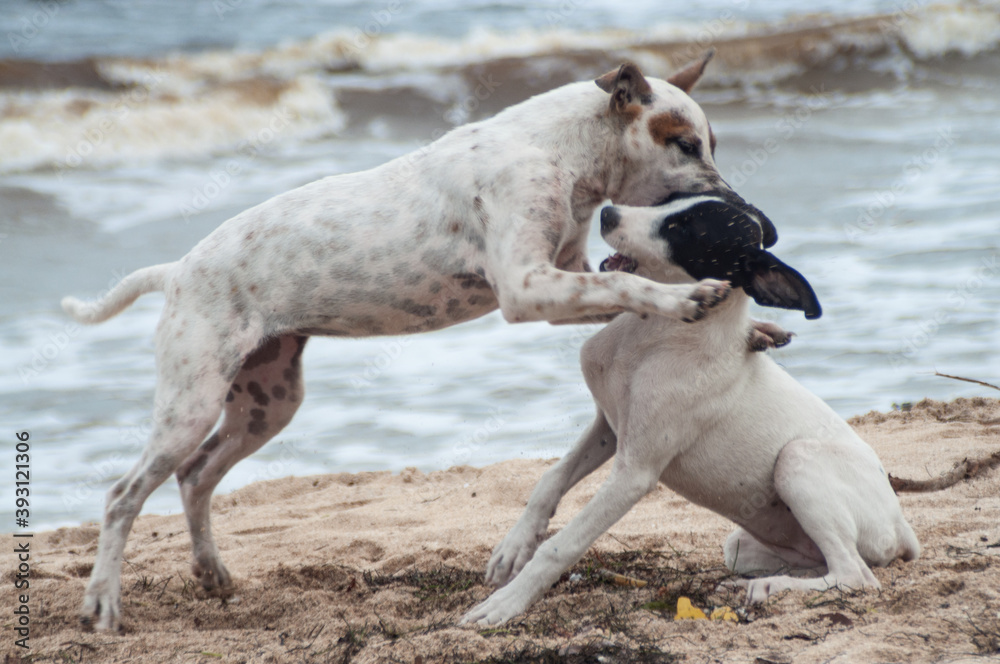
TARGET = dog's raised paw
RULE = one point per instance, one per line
(706, 294)
(764, 335)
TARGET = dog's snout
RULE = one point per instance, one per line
(609, 219)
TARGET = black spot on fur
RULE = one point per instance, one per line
(162, 466)
(257, 426)
(259, 397)
(471, 280)
(210, 444)
(476, 300)
(134, 489)
(269, 351)
(191, 473)
(414, 309)
(293, 374)
(230, 396)
(237, 389)
(278, 392)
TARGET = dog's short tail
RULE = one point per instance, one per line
(140, 282)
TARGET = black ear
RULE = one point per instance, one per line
(770, 232)
(774, 284)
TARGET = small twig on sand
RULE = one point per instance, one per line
(965, 470)
(967, 380)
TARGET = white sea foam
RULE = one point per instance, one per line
(968, 30)
(71, 129)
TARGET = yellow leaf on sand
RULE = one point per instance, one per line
(687, 612)
(724, 613)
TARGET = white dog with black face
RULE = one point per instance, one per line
(727, 428)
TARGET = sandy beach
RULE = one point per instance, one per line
(379, 567)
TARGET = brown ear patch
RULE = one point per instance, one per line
(629, 113)
(665, 127)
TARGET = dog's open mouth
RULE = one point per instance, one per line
(619, 263)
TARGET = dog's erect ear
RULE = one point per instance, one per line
(774, 284)
(626, 85)
(686, 78)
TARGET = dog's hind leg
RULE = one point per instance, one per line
(596, 446)
(745, 554)
(191, 386)
(261, 401)
(828, 492)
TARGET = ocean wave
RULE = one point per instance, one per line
(100, 112)
(84, 128)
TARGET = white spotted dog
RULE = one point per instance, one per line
(692, 407)
(494, 214)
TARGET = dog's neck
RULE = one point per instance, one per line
(725, 328)
(577, 115)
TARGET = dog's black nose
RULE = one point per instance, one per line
(609, 219)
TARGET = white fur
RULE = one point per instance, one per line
(690, 406)
(494, 214)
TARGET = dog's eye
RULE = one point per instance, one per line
(690, 148)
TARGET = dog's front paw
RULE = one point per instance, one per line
(101, 610)
(765, 335)
(499, 607)
(214, 577)
(511, 555)
(706, 294)
(758, 590)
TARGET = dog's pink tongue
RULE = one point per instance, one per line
(618, 263)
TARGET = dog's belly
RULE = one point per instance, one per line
(341, 265)
(437, 302)
(415, 286)
(308, 301)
